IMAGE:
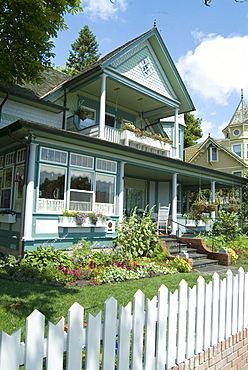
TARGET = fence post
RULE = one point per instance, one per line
(10, 350)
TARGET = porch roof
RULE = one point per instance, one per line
(137, 162)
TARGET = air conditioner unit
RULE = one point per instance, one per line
(110, 227)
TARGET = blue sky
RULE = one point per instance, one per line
(209, 45)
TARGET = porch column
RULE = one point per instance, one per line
(212, 214)
(102, 107)
(28, 210)
(174, 204)
(121, 191)
(176, 135)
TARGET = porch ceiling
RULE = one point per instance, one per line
(191, 181)
(129, 99)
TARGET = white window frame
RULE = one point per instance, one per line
(233, 145)
(80, 156)
(48, 160)
(59, 204)
(106, 208)
(146, 67)
(210, 154)
(90, 192)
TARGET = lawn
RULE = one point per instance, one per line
(19, 299)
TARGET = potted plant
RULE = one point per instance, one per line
(211, 206)
(199, 205)
(82, 112)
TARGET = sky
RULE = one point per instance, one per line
(209, 46)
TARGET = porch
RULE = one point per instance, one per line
(128, 138)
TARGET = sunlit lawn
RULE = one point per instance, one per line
(19, 299)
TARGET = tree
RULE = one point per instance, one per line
(26, 29)
(207, 2)
(84, 52)
(192, 130)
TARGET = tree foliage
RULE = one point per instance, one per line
(207, 2)
(192, 131)
(84, 52)
(26, 29)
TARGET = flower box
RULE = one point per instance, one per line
(71, 222)
(7, 218)
(127, 136)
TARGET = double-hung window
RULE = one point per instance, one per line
(81, 190)
(212, 154)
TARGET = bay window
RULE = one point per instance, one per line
(105, 191)
(81, 191)
(51, 188)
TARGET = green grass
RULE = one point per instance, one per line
(19, 299)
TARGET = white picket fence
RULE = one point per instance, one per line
(148, 334)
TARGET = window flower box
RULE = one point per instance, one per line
(83, 220)
(8, 218)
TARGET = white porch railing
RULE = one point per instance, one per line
(51, 205)
(130, 139)
(153, 334)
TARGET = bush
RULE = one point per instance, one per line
(226, 225)
(138, 238)
(43, 257)
(180, 264)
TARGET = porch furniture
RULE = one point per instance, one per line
(163, 216)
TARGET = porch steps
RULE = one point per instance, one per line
(175, 246)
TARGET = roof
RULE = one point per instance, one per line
(192, 153)
(188, 173)
(52, 78)
(240, 115)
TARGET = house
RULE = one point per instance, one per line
(229, 154)
(105, 140)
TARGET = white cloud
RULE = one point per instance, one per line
(104, 9)
(217, 67)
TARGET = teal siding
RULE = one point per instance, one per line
(157, 81)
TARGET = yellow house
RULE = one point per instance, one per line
(230, 154)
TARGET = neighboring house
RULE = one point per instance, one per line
(229, 155)
(52, 160)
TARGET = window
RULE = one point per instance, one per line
(5, 187)
(109, 120)
(21, 155)
(9, 159)
(237, 173)
(106, 165)
(212, 154)
(1, 161)
(51, 189)
(81, 191)
(146, 67)
(105, 192)
(82, 161)
(236, 148)
(51, 155)
(86, 117)
(19, 188)
(236, 132)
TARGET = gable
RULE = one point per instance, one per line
(141, 65)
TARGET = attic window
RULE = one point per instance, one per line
(146, 67)
(212, 154)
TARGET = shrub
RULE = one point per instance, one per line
(138, 238)
(180, 264)
(43, 257)
(226, 224)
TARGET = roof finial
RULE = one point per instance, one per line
(242, 96)
(154, 23)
